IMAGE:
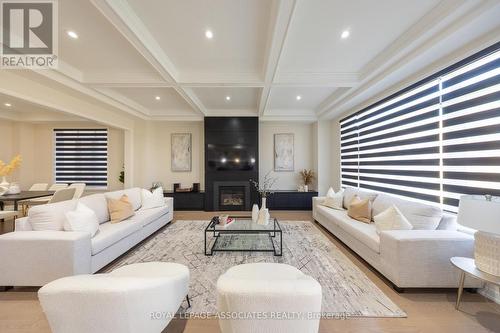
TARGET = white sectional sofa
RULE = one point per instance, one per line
(418, 258)
(34, 258)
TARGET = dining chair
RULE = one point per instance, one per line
(42, 200)
(7, 214)
(57, 186)
(79, 188)
(39, 187)
(63, 195)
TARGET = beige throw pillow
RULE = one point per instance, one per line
(120, 210)
(391, 219)
(360, 210)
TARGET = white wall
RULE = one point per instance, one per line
(152, 153)
(303, 141)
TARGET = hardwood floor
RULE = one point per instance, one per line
(428, 310)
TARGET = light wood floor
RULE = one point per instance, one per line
(428, 310)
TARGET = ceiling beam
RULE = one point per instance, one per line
(282, 18)
(125, 20)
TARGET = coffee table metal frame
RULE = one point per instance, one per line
(211, 230)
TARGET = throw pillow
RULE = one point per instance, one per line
(330, 193)
(50, 216)
(360, 210)
(334, 200)
(82, 219)
(120, 209)
(152, 200)
(391, 219)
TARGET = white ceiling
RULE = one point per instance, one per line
(16, 109)
(263, 54)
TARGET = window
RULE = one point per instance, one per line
(432, 142)
(81, 155)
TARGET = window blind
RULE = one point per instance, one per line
(81, 155)
(471, 130)
(433, 141)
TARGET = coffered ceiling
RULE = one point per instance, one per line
(278, 59)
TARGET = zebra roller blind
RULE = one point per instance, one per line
(81, 156)
(431, 142)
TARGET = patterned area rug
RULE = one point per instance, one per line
(347, 291)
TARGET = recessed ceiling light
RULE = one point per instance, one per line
(298, 97)
(7, 105)
(72, 34)
(157, 98)
(345, 34)
(228, 98)
(209, 34)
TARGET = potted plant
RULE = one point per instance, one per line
(307, 177)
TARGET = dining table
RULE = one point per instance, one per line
(23, 195)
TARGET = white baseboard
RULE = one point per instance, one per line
(492, 292)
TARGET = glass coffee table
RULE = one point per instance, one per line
(243, 235)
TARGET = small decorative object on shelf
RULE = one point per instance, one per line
(7, 169)
(193, 189)
(307, 177)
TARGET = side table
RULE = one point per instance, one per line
(467, 267)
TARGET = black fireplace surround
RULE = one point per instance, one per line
(231, 160)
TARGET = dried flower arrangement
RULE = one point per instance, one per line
(307, 176)
(7, 169)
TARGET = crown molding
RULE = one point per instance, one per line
(234, 112)
(114, 78)
(289, 118)
(196, 117)
(221, 79)
(312, 79)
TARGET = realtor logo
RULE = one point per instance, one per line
(29, 34)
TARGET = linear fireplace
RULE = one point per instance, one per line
(231, 195)
(231, 160)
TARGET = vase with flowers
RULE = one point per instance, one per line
(264, 188)
(307, 178)
(7, 169)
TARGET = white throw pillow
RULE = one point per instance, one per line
(152, 200)
(334, 200)
(330, 193)
(82, 219)
(391, 219)
(50, 216)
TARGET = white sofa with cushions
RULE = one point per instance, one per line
(34, 258)
(417, 258)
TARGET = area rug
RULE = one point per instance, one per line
(347, 291)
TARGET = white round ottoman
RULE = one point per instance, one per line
(140, 297)
(268, 297)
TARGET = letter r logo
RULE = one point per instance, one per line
(27, 27)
